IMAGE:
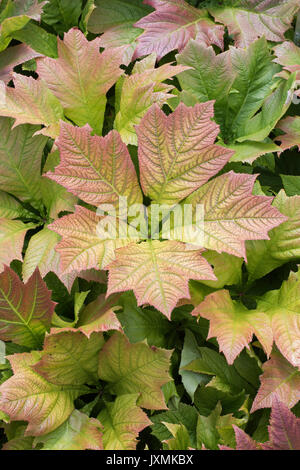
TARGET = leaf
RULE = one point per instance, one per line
(116, 21)
(284, 429)
(243, 441)
(288, 55)
(99, 315)
(12, 234)
(291, 184)
(291, 126)
(184, 415)
(20, 161)
(283, 245)
(96, 169)
(248, 20)
(177, 153)
(26, 396)
(227, 269)
(136, 93)
(19, 443)
(273, 108)
(41, 253)
(25, 310)
(79, 432)
(239, 80)
(12, 57)
(30, 101)
(82, 247)
(70, 358)
(157, 272)
(55, 197)
(15, 16)
(248, 151)
(139, 323)
(191, 380)
(233, 325)
(10, 208)
(38, 38)
(135, 368)
(122, 421)
(282, 306)
(181, 438)
(224, 377)
(172, 25)
(62, 14)
(280, 380)
(81, 77)
(233, 214)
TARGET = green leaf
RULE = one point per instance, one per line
(239, 80)
(135, 368)
(79, 432)
(284, 245)
(15, 16)
(62, 14)
(10, 208)
(291, 184)
(20, 161)
(38, 38)
(27, 396)
(122, 421)
(70, 358)
(141, 323)
(116, 19)
(191, 380)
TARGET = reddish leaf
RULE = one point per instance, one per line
(96, 169)
(25, 310)
(172, 25)
(281, 381)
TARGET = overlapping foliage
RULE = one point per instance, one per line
(147, 339)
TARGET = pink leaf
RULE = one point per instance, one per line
(177, 153)
(284, 429)
(96, 169)
(172, 25)
(157, 272)
(280, 380)
(13, 56)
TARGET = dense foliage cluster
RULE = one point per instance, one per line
(146, 340)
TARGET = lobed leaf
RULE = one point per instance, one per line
(279, 381)
(25, 310)
(247, 20)
(135, 369)
(81, 246)
(30, 101)
(177, 153)
(157, 272)
(27, 396)
(172, 25)
(122, 421)
(79, 432)
(70, 358)
(81, 77)
(265, 255)
(137, 92)
(96, 169)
